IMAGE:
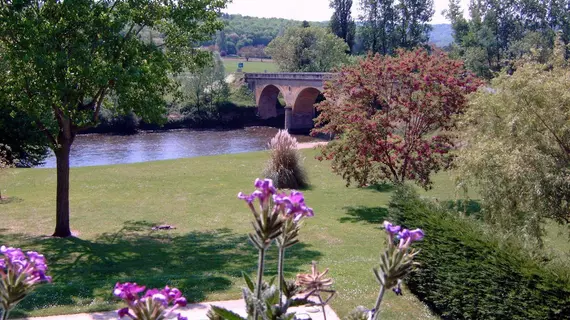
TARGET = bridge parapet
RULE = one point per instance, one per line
(302, 76)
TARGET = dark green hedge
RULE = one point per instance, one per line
(466, 273)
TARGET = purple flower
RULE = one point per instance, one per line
(123, 312)
(293, 206)
(416, 235)
(265, 190)
(32, 266)
(161, 298)
(154, 301)
(398, 288)
(265, 186)
(407, 237)
(391, 229)
(181, 301)
(128, 291)
(174, 293)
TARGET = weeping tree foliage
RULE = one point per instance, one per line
(516, 138)
(65, 58)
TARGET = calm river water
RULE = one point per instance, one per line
(96, 149)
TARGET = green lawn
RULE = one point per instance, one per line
(114, 207)
(231, 65)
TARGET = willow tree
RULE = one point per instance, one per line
(516, 138)
(65, 57)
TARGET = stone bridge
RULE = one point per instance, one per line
(299, 89)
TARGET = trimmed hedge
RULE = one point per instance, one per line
(467, 273)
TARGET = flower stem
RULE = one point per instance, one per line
(323, 307)
(280, 274)
(378, 302)
(5, 314)
(260, 269)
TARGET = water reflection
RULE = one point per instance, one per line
(95, 149)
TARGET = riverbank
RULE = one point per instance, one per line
(113, 209)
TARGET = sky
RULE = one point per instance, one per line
(310, 10)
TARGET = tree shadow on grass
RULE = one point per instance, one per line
(381, 187)
(374, 215)
(198, 263)
(6, 200)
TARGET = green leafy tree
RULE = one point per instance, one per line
(500, 32)
(203, 90)
(66, 57)
(516, 148)
(413, 28)
(310, 49)
(5, 163)
(27, 143)
(342, 24)
(390, 24)
(378, 30)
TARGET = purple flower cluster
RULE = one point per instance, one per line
(265, 190)
(29, 268)
(290, 205)
(154, 301)
(293, 205)
(405, 236)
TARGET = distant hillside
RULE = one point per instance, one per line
(441, 35)
(243, 31)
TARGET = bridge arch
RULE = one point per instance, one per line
(267, 101)
(304, 108)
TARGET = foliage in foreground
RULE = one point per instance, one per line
(285, 166)
(516, 136)
(390, 116)
(277, 219)
(20, 274)
(65, 58)
(310, 49)
(468, 273)
(396, 262)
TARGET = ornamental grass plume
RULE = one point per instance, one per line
(153, 305)
(285, 164)
(20, 274)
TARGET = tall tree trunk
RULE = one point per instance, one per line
(62, 229)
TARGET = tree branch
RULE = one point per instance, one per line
(564, 147)
(48, 134)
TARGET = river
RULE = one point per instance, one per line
(97, 149)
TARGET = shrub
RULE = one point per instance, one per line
(467, 273)
(284, 166)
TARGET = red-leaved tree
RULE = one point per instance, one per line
(390, 116)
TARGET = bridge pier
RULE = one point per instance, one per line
(288, 118)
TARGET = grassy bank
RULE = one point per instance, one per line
(253, 65)
(114, 208)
